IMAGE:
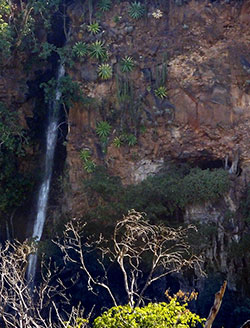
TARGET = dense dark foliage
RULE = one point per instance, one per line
(163, 196)
(13, 184)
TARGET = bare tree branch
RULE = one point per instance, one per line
(134, 240)
(20, 307)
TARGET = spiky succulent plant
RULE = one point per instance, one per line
(127, 64)
(136, 10)
(80, 49)
(105, 71)
(103, 129)
(97, 50)
(161, 92)
(104, 5)
(94, 28)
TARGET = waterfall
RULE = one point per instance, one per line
(51, 138)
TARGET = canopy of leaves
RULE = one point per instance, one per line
(162, 196)
(17, 27)
(162, 315)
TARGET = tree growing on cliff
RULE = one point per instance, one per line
(143, 252)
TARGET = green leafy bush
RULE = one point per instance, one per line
(136, 10)
(105, 71)
(6, 33)
(154, 315)
(14, 185)
(47, 49)
(107, 186)
(204, 185)
(127, 64)
(18, 27)
(65, 55)
(97, 50)
(11, 133)
(164, 196)
(70, 90)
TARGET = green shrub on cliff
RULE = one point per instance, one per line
(70, 90)
(204, 185)
(163, 196)
(14, 185)
(18, 25)
(6, 35)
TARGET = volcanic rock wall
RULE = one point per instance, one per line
(205, 116)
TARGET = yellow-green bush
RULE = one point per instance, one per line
(154, 315)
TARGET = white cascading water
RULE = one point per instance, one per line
(51, 138)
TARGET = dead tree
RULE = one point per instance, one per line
(22, 308)
(216, 306)
(134, 240)
(246, 324)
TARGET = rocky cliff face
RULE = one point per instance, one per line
(203, 47)
(198, 51)
(205, 116)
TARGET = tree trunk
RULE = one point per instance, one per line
(246, 324)
(215, 308)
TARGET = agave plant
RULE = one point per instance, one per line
(136, 10)
(104, 5)
(96, 50)
(85, 155)
(117, 142)
(161, 92)
(103, 129)
(105, 71)
(94, 28)
(89, 166)
(80, 49)
(127, 64)
(131, 140)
